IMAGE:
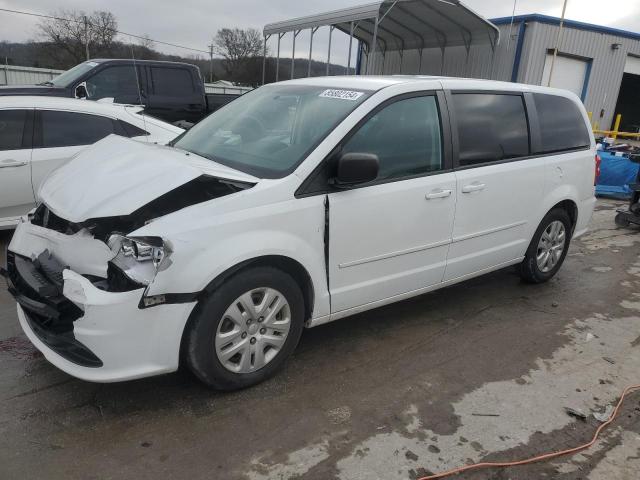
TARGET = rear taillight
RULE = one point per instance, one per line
(597, 170)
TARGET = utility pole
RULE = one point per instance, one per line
(558, 40)
(86, 35)
(211, 62)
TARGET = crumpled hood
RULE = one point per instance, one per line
(117, 175)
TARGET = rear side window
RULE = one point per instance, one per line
(173, 82)
(562, 126)
(65, 129)
(491, 127)
(404, 135)
(11, 129)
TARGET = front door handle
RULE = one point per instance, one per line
(473, 187)
(437, 193)
(11, 163)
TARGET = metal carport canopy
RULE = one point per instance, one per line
(402, 24)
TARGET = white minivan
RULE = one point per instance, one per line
(297, 204)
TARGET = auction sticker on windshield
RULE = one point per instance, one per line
(341, 94)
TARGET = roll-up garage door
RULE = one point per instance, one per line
(568, 73)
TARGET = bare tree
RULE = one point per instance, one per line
(240, 48)
(146, 42)
(77, 34)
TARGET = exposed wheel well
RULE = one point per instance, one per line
(286, 264)
(572, 210)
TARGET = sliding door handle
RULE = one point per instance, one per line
(437, 193)
(473, 187)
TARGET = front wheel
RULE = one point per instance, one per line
(548, 248)
(244, 331)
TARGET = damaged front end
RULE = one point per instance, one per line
(80, 287)
(37, 286)
(134, 261)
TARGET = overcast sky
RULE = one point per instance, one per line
(193, 22)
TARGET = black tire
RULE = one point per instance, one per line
(528, 269)
(203, 325)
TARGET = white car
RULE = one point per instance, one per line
(39, 134)
(299, 203)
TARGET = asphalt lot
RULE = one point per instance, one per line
(478, 371)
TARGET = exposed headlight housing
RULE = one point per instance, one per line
(139, 258)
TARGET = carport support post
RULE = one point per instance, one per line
(280, 35)
(293, 52)
(264, 58)
(350, 44)
(313, 31)
(329, 49)
(371, 58)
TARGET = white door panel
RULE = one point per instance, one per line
(389, 239)
(46, 160)
(493, 214)
(16, 194)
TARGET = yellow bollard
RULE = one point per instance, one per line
(590, 118)
(616, 126)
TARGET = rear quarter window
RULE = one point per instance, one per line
(562, 125)
(129, 130)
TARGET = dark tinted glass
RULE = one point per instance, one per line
(491, 127)
(404, 135)
(113, 82)
(64, 129)
(11, 129)
(132, 130)
(562, 126)
(171, 81)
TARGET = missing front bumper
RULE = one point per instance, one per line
(37, 288)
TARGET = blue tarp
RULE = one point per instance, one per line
(616, 173)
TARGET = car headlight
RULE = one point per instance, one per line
(139, 258)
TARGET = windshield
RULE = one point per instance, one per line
(67, 78)
(269, 131)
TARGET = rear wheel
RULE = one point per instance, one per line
(242, 333)
(548, 248)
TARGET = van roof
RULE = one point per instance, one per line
(378, 82)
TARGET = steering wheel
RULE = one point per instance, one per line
(250, 128)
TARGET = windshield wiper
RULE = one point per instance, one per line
(47, 84)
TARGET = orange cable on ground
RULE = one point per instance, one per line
(546, 456)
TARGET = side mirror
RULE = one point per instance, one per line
(81, 91)
(355, 168)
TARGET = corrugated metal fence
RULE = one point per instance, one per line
(16, 75)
